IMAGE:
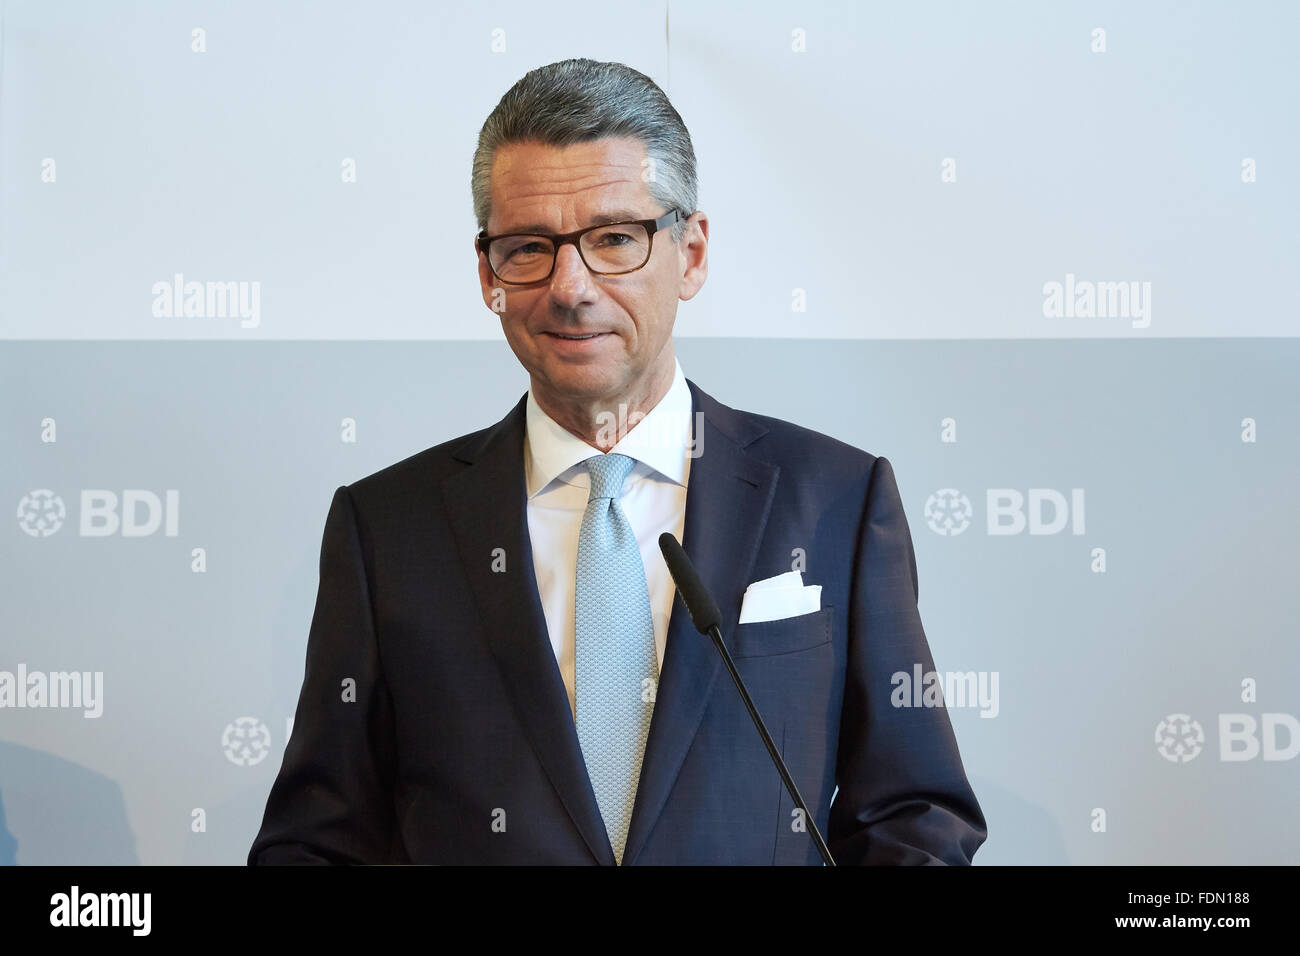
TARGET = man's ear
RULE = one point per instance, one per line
(485, 276)
(694, 252)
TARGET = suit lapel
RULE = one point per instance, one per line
(729, 496)
(487, 508)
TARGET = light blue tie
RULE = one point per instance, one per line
(616, 669)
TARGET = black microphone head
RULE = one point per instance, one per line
(704, 613)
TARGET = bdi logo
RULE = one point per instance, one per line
(246, 741)
(1010, 504)
(138, 514)
(1044, 511)
(1179, 738)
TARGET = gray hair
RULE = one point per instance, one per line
(578, 100)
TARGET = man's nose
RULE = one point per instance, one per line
(571, 282)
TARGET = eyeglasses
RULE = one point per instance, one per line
(607, 249)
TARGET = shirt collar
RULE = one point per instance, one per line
(660, 440)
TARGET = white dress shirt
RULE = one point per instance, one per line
(654, 500)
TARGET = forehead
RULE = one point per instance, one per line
(560, 188)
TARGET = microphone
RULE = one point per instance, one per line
(707, 620)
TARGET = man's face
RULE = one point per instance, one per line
(561, 189)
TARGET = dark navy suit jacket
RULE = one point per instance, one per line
(460, 747)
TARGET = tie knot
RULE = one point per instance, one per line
(607, 474)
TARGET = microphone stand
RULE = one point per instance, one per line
(716, 635)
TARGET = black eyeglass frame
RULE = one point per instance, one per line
(482, 242)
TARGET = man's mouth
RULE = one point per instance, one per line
(576, 338)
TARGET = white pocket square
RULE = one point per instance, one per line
(774, 599)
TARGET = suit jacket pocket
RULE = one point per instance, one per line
(786, 636)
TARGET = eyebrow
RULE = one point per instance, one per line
(542, 229)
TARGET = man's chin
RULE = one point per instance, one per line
(589, 381)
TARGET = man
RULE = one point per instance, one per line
(498, 670)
